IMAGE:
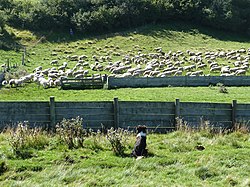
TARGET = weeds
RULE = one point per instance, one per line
(222, 88)
(182, 125)
(205, 128)
(242, 128)
(96, 139)
(71, 132)
(23, 139)
(118, 139)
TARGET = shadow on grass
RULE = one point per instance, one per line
(9, 42)
(153, 30)
(165, 30)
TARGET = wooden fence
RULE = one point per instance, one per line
(82, 83)
(155, 115)
(143, 82)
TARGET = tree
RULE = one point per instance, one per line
(3, 19)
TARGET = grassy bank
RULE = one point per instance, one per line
(42, 47)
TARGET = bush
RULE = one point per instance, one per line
(71, 132)
(3, 19)
(3, 167)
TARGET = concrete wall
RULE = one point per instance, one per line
(155, 115)
(143, 82)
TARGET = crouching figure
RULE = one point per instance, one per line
(141, 144)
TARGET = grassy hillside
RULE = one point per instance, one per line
(42, 48)
(177, 36)
(174, 161)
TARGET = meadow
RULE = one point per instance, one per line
(41, 48)
(173, 160)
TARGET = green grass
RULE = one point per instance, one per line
(173, 36)
(197, 94)
(174, 161)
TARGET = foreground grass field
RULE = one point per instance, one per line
(174, 161)
(195, 94)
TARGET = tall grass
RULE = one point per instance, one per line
(175, 160)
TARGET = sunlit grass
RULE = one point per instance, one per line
(199, 94)
(175, 36)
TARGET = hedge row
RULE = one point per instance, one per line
(109, 15)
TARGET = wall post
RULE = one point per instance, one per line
(234, 108)
(177, 111)
(116, 113)
(52, 112)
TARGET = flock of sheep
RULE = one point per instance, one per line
(158, 63)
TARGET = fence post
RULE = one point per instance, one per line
(116, 113)
(234, 108)
(177, 111)
(52, 112)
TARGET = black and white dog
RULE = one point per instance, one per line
(141, 144)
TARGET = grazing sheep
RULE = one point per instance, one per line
(201, 66)
(5, 82)
(82, 57)
(237, 63)
(178, 73)
(57, 82)
(213, 64)
(242, 51)
(196, 73)
(53, 75)
(61, 68)
(215, 68)
(188, 68)
(79, 76)
(15, 82)
(240, 72)
(45, 82)
(225, 69)
(39, 68)
(73, 58)
(69, 72)
(54, 62)
(80, 71)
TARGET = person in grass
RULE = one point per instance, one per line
(140, 144)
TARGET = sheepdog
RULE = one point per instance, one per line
(140, 144)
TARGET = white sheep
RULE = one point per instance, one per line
(54, 62)
(215, 68)
(39, 68)
(5, 82)
(240, 72)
